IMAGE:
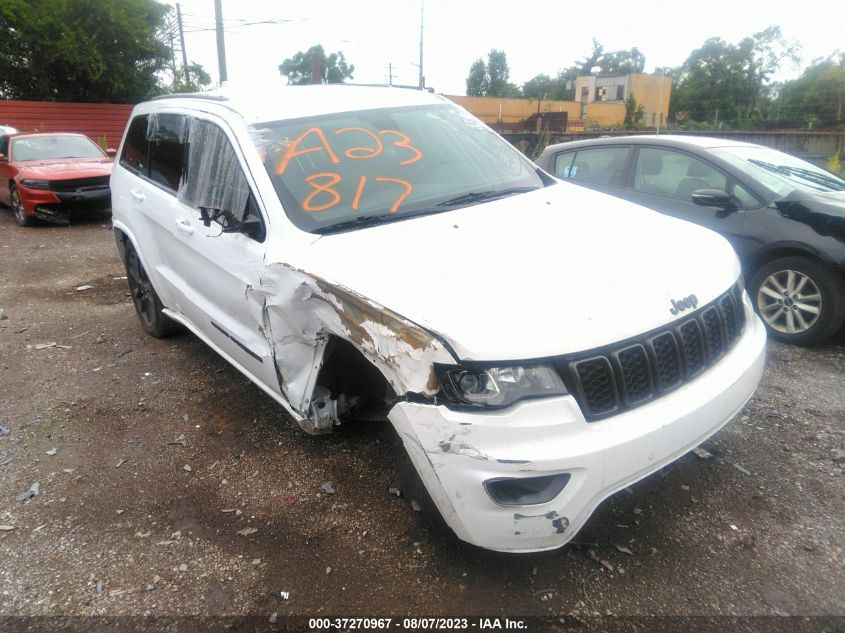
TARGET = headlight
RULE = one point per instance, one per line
(36, 184)
(499, 386)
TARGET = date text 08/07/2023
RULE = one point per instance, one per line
(417, 624)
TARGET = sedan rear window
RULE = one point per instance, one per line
(387, 164)
(598, 165)
(54, 147)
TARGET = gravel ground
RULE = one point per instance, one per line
(169, 485)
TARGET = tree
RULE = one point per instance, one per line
(538, 87)
(81, 50)
(491, 79)
(478, 84)
(587, 65)
(333, 68)
(563, 86)
(622, 62)
(731, 82)
(192, 78)
(634, 113)
(766, 51)
(817, 96)
(498, 73)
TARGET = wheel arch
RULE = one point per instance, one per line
(120, 239)
(347, 372)
(785, 249)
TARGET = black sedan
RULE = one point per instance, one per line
(784, 216)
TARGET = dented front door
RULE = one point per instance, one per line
(220, 268)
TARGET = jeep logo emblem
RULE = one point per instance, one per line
(683, 304)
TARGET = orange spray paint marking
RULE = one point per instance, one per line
(408, 189)
(357, 153)
(293, 151)
(325, 187)
(358, 193)
(405, 143)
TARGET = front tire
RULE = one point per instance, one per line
(17, 208)
(801, 301)
(144, 297)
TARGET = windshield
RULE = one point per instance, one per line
(780, 172)
(51, 147)
(353, 169)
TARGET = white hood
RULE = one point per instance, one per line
(555, 271)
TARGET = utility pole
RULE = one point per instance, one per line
(172, 55)
(316, 70)
(182, 43)
(390, 71)
(422, 76)
(660, 100)
(221, 44)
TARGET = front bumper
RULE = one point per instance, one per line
(58, 206)
(455, 452)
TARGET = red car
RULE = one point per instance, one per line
(52, 176)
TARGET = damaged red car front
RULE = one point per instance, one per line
(51, 177)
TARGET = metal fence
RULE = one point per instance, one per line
(816, 147)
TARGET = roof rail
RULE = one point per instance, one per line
(191, 95)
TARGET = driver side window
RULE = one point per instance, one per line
(215, 180)
(663, 172)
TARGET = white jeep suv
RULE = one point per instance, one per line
(365, 252)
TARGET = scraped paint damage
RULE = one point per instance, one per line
(301, 312)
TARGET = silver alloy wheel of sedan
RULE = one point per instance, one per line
(789, 301)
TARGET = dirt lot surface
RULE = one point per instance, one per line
(169, 485)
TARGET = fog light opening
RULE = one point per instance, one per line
(525, 491)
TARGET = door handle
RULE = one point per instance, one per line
(185, 227)
(139, 196)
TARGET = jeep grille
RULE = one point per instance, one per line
(630, 373)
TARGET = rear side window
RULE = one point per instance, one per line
(563, 162)
(167, 135)
(599, 165)
(134, 154)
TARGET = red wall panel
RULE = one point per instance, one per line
(96, 120)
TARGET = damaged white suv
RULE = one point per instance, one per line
(365, 252)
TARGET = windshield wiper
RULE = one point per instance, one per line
(362, 221)
(812, 177)
(481, 196)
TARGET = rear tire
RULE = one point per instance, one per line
(800, 300)
(144, 297)
(17, 208)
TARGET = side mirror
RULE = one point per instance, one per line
(2, 158)
(250, 226)
(714, 198)
(111, 152)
